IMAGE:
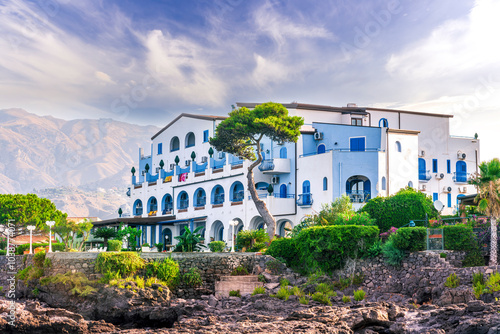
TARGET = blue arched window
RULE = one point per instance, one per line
(321, 148)
(283, 153)
(384, 185)
(138, 208)
(306, 187)
(358, 188)
(382, 123)
(236, 192)
(190, 139)
(217, 195)
(167, 203)
(461, 175)
(200, 198)
(182, 200)
(283, 191)
(422, 172)
(398, 146)
(325, 183)
(174, 144)
(152, 205)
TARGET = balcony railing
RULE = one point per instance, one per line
(218, 199)
(183, 204)
(424, 175)
(305, 199)
(238, 196)
(359, 196)
(138, 212)
(200, 168)
(216, 164)
(200, 201)
(461, 177)
(168, 209)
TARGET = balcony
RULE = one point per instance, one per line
(281, 205)
(275, 166)
(200, 201)
(218, 199)
(305, 199)
(238, 196)
(461, 177)
(424, 176)
(359, 196)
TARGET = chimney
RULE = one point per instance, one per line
(351, 105)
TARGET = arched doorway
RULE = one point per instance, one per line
(166, 237)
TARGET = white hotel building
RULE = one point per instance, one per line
(361, 152)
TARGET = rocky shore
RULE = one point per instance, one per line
(380, 313)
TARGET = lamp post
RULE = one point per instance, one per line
(233, 223)
(50, 223)
(31, 228)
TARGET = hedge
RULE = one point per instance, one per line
(411, 239)
(115, 245)
(328, 247)
(286, 249)
(56, 246)
(458, 237)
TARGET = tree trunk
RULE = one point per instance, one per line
(260, 204)
(493, 242)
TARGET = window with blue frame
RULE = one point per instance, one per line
(461, 175)
(321, 149)
(205, 136)
(448, 166)
(153, 236)
(435, 197)
(325, 184)
(283, 153)
(422, 172)
(357, 144)
(434, 165)
(160, 148)
(449, 200)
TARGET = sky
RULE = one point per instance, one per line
(147, 61)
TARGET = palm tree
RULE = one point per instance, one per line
(488, 195)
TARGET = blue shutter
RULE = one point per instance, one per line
(367, 189)
(448, 166)
(434, 165)
(449, 200)
(205, 136)
(283, 153)
(283, 191)
(434, 197)
(348, 187)
(357, 144)
(160, 148)
(321, 149)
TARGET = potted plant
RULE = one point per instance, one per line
(145, 247)
(159, 247)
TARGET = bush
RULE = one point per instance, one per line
(217, 246)
(477, 278)
(286, 249)
(246, 239)
(259, 290)
(3, 252)
(145, 244)
(304, 300)
(193, 277)
(39, 259)
(375, 249)
(56, 246)
(346, 299)
(443, 255)
(234, 293)
(399, 209)
(478, 290)
(411, 239)
(493, 282)
(166, 270)
(275, 266)
(126, 263)
(392, 255)
(283, 293)
(240, 271)
(362, 218)
(327, 247)
(473, 258)
(115, 245)
(452, 281)
(320, 297)
(359, 295)
(458, 237)
(257, 247)
(297, 291)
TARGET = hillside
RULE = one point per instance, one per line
(71, 162)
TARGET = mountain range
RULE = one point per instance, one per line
(82, 165)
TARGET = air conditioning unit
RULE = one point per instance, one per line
(172, 166)
(421, 153)
(187, 162)
(447, 189)
(157, 170)
(462, 190)
(275, 180)
(220, 155)
(318, 135)
(423, 187)
(461, 155)
(143, 173)
(204, 159)
(439, 176)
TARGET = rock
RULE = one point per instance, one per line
(212, 301)
(455, 296)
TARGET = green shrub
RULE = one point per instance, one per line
(3, 252)
(286, 249)
(452, 281)
(240, 271)
(304, 300)
(443, 255)
(217, 246)
(359, 295)
(320, 297)
(127, 263)
(259, 290)
(411, 239)
(246, 239)
(473, 258)
(493, 282)
(47, 263)
(167, 270)
(275, 266)
(297, 291)
(392, 255)
(478, 290)
(257, 247)
(477, 278)
(361, 218)
(159, 246)
(458, 237)
(262, 278)
(327, 247)
(78, 283)
(323, 287)
(109, 276)
(35, 292)
(193, 277)
(284, 282)
(346, 299)
(283, 293)
(115, 245)
(145, 244)
(375, 249)
(234, 293)
(399, 209)
(39, 259)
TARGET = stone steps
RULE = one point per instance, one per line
(246, 284)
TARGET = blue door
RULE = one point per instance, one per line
(461, 171)
(421, 169)
(321, 149)
(283, 153)
(306, 191)
(283, 191)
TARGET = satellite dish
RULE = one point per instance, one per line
(438, 205)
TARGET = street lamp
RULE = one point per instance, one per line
(50, 223)
(31, 228)
(233, 223)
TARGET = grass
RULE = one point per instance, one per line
(359, 295)
(320, 297)
(452, 281)
(283, 293)
(304, 300)
(259, 290)
(234, 293)
(346, 299)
